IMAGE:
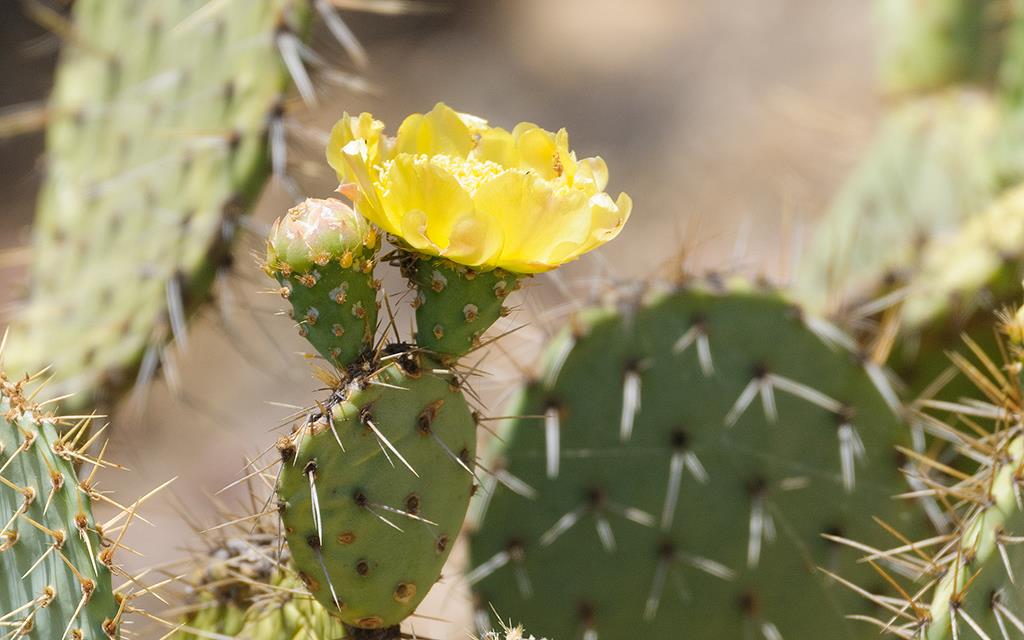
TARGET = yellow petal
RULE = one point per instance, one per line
(354, 158)
(414, 232)
(565, 159)
(347, 129)
(441, 131)
(536, 218)
(475, 241)
(451, 185)
(591, 173)
(414, 183)
(538, 152)
(496, 145)
(475, 124)
(607, 220)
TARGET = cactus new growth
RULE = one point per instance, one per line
(374, 488)
(323, 254)
(688, 454)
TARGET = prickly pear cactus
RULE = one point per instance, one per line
(374, 488)
(695, 457)
(55, 565)
(323, 254)
(153, 154)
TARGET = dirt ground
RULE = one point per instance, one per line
(729, 123)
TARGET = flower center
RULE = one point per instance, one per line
(470, 174)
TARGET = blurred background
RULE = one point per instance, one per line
(731, 123)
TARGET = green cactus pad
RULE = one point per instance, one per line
(692, 453)
(323, 254)
(53, 562)
(929, 168)
(157, 143)
(454, 304)
(373, 492)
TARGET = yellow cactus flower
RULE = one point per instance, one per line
(449, 185)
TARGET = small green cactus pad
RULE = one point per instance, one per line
(454, 304)
(210, 616)
(374, 490)
(290, 615)
(241, 586)
(688, 454)
(936, 43)
(158, 141)
(967, 583)
(282, 610)
(323, 254)
(928, 169)
(55, 569)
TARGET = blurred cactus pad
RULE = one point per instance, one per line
(696, 455)
(157, 142)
